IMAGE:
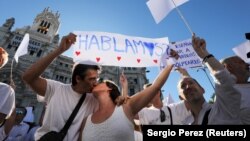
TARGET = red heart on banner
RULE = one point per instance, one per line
(155, 61)
(138, 60)
(98, 59)
(118, 58)
(77, 53)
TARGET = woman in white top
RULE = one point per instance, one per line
(111, 122)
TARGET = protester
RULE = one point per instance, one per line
(237, 67)
(159, 114)
(62, 98)
(111, 122)
(20, 129)
(7, 101)
(226, 108)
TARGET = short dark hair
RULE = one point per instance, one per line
(114, 93)
(81, 69)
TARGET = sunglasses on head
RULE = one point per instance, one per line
(162, 115)
(109, 84)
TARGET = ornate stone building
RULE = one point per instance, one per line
(44, 39)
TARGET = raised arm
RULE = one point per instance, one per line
(124, 91)
(124, 84)
(142, 98)
(32, 76)
(228, 99)
(182, 71)
(212, 63)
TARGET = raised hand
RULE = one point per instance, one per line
(199, 46)
(174, 56)
(67, 41)
(123, 81)
(182, 71)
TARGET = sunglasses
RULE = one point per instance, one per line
(109, 84)
(19, 112)
(162, 115)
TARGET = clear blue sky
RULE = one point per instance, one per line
(222, 23)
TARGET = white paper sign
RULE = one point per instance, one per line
(243, 51)
(112, 49)
(188, 57)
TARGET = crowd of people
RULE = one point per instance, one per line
(108, 114)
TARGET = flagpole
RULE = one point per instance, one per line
(11, 69)
(182, 17)
(11, 75)
(204, 69)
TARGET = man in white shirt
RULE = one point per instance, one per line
(62, 98)
(159, 114)
(226, 108)
(240, 69)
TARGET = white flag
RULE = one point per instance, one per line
(243, 51)
(23, 47)
(168, 100)
(160, 8)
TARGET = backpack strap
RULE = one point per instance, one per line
(205, 118)
(170, 114)
(72, 116)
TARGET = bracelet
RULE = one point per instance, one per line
(207, 57)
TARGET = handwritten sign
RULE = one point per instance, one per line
(113, 49)
(188, 57)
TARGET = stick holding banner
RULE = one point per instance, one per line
(182, 17)
(204, 70)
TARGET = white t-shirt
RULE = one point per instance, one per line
(7, 99)
(61, 100)
(151, 115)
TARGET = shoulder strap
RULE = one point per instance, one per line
(170, 114)
(2, 123)
(72, 116)
(205, 118)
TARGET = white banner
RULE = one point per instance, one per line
(188, 57)
(112, 49)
